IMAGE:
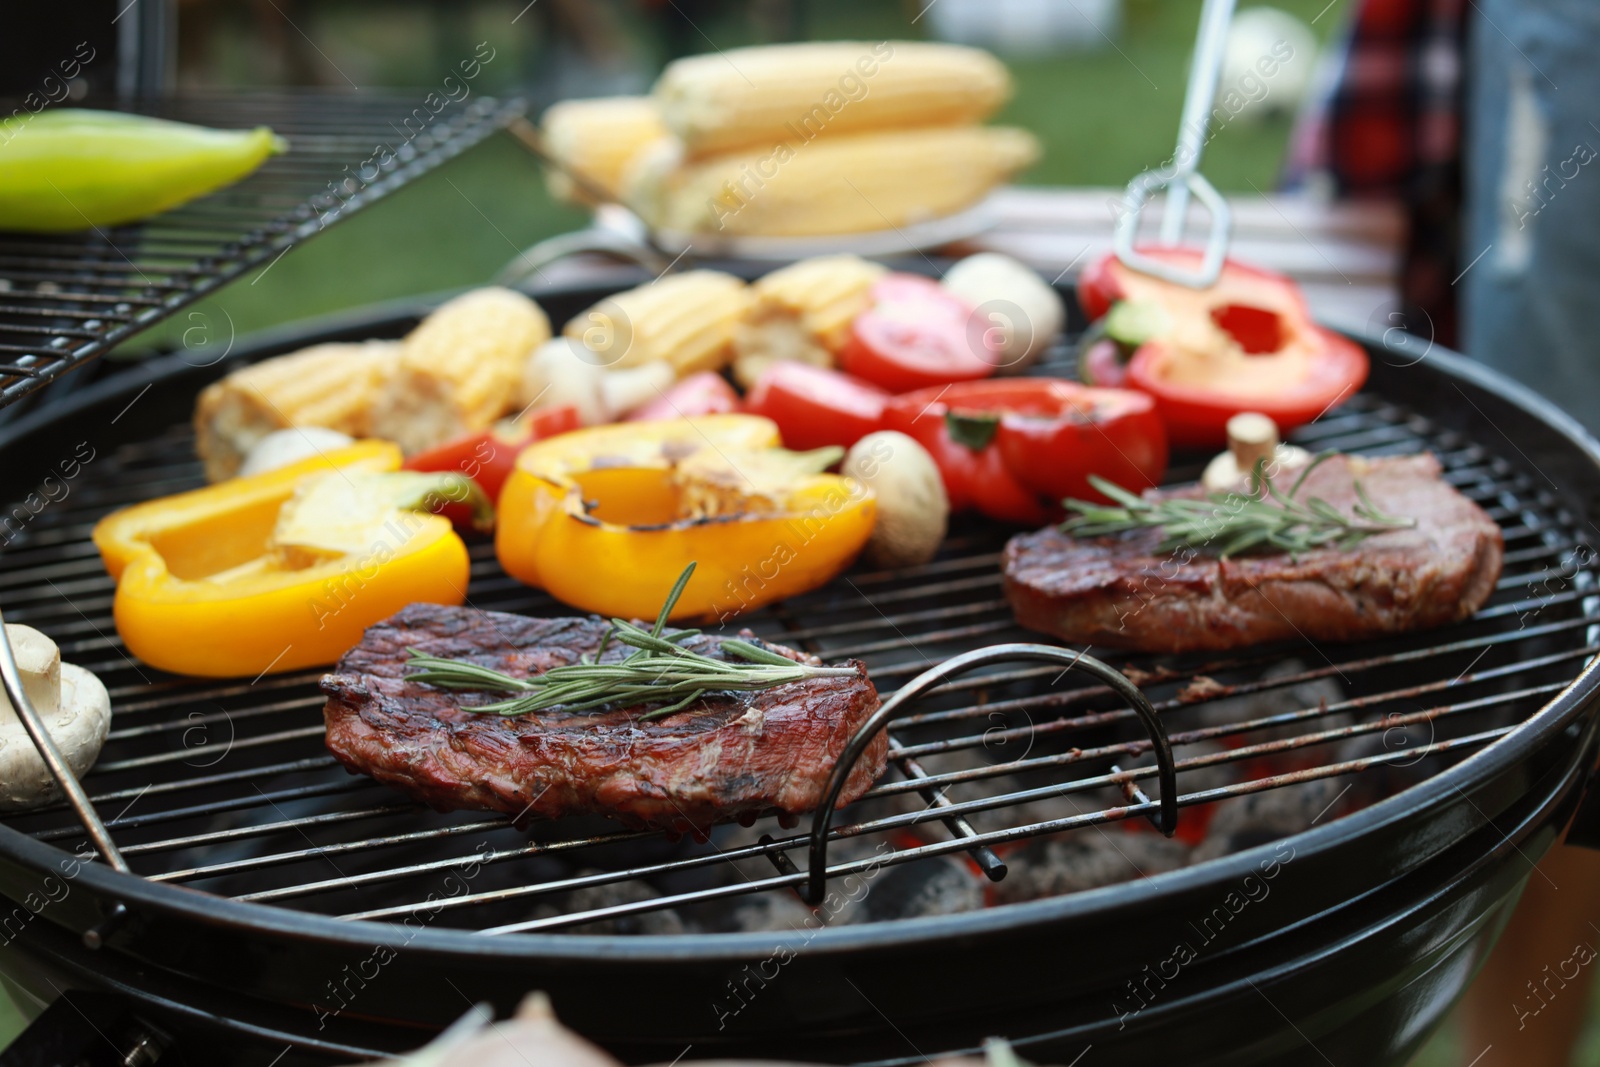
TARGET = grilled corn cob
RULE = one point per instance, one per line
(854, 184)
(331, 385)
(794, 93)
(802, 312)
(685, 319)
(460, 369)
(596, 138)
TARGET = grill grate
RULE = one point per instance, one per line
(67, 298)
(226, 787)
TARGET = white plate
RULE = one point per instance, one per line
(915, 237)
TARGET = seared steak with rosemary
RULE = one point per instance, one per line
(724, 756)
(1129, 591)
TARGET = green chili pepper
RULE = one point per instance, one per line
(72, 169)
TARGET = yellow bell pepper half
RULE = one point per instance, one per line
(605, 519)
(254, 575)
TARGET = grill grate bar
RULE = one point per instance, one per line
(57, 286)
(905, 820)
(1076, 696)
(995, 837)
(1065, 698)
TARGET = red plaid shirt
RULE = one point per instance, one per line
(1390, 125)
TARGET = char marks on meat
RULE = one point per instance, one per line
(728, 756)
(1123, 592)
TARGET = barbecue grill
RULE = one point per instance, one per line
(1373, 809)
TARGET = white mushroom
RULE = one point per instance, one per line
(562, 371)
(74, 706)
(1252, 436)
(283, 447)
(1019, 305)
(913, 510)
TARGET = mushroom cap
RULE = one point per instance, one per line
(78, 724)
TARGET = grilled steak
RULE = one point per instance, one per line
(727, 757)
(1122, 592)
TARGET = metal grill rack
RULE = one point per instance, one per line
(227, 788)
(67, 298)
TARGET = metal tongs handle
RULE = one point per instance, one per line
(1182, 175)
(53, 759)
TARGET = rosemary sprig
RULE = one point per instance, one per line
(659, 670)
(1231, 523)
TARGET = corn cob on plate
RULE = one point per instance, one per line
(756, 97)
(596, 138)
(859, 184)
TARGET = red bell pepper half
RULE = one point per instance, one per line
(814, 406)
(918, 333)
(489, 456)
(1248, 343)
(1014, 449)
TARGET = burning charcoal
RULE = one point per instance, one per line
(941, 886)
(610, 894)
(1255, 819)
(1219, 710)
(1086, 859)
(778, 910)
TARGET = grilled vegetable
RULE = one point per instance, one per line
(1013, 449)
(488, 456)
(74, 706)
(1252, 438)
(913, 509)
(283, 447)
(702, 393)
(329, 385)
(1026, 313)
(69, 169)
(684, 319)
(460, 369)
(650, 497)
(802, 312)
(814, 406)
(1248, 343)
(760, 96)
(596, 138)
(562, 373)
(918, 333)
(284, 570)
(855, 183)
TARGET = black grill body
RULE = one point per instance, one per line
(1369, 927)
